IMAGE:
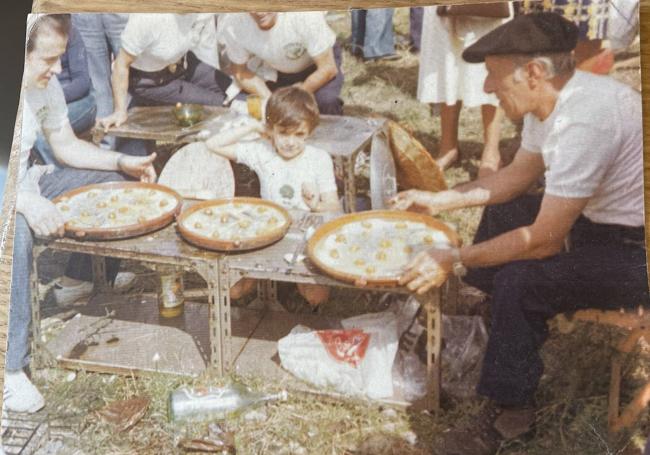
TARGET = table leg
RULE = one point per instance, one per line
(267, 292)
(226, 315)
(431, 304)
(216, 277)
(99, 273)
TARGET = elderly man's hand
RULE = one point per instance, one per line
(140, 167)
(415, 201)
(42, 215)
(427, 270)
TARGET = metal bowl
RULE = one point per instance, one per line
(188, 114)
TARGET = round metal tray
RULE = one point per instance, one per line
(121, 232)
(244, 244)
(392, 215)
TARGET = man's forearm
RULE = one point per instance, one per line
(120, 86)
(318, 78)
(495, 188)
(84, 155)
(252, 83)
(517, 245)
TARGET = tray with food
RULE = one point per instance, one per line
(117, 210)
(235, 224)
(374, 247)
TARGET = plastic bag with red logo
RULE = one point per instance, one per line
(353, 361)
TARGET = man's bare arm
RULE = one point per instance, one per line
(120, 86)
(544, 238)
(70, 150)
(501, 186)
(325, 71)
(541, 239)
(249, 81)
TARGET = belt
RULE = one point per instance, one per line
(587, 232)
(161, 77)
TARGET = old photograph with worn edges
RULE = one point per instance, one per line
(368, 231)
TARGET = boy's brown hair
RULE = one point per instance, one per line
(289, 107)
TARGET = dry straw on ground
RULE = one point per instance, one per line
(572, 396)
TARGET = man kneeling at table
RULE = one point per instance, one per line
(45, 110)
(583, 134)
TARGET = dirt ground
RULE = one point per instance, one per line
(572, 397)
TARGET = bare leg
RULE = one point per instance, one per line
(492, 117)
(315, 294)
(242, 288)
(449, 134)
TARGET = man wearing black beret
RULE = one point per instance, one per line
(580, 245)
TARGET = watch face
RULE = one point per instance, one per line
(459, 269)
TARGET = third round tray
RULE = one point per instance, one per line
(375, 246)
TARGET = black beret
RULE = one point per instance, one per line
(526, 34)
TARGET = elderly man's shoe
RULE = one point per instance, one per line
(485, 433)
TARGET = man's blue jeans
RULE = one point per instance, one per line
(604, 269)
(101, 35)
(79, 267)
(372, 32)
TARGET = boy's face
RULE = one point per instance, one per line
(290, 144)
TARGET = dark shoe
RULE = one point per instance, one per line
(485, 433)
(383, 58)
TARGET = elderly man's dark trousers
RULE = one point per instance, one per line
(604, 268)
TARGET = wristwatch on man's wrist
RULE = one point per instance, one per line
(457, 267)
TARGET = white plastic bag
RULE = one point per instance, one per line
(464, 342)
(355, 361)
(623, 23)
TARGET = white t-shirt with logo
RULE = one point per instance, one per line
(281, 180)
(44, 110)
(159, 40)
(288, 47)
(592, 146)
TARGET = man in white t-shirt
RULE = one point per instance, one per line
(583, 133)
(167, 59)
(299, 46)
(45, 111)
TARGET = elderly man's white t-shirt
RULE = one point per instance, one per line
(44, 110)
(159, 40)
(592, 146)
(288, 47)
(281, 180)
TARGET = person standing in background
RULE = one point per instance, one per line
(416, 14)
(446, 80)
(101, 33)
(372, 34)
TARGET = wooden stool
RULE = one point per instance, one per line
(638, 326)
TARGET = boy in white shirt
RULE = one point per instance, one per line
(291, 173)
